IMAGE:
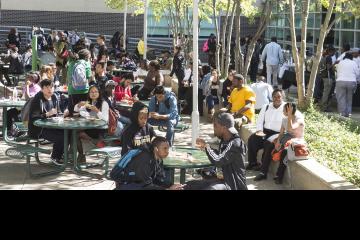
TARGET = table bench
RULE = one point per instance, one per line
(108, 152)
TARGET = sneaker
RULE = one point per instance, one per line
(57, 162)
(260, 177)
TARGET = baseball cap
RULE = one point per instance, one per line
(227, 120)
(110, 83)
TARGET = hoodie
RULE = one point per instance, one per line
(134, 136)
(167, 107)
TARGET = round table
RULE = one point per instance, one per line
(5, 104)
(199, 160)
(73, 125)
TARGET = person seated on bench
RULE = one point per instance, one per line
(164, 112)
(94, 107)
(293, 126)
(230, 157)
(139, 133)
(267, 129)
(241, 102)
(45, 105)
(154, 78)
(145, 170)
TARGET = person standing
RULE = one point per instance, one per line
(179, 70)
(263, 93)
(274, 57)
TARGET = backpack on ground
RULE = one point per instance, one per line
(79, 80)
(113, 121)
(119, 173)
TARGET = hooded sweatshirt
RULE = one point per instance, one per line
(134, 136)
(231, 158)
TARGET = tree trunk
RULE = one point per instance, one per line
(264, 21)
(223, 38)
(229, 34)
(319, 51)
(238, 57)
(301, 96)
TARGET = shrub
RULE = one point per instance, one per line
(335, 143)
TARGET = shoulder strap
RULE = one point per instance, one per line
(267, 107)
(127, 158)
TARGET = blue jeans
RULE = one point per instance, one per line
(211, 101)
(170, 127)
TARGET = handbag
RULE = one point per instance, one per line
(298, 150)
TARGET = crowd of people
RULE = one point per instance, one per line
(93, 91)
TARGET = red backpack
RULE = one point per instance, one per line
(205, 47)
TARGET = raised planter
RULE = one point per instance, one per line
(305, 174)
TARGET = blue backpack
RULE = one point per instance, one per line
(118, 173)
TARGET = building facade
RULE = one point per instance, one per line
(347, 31)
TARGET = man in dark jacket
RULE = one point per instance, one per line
(45, 105)
(230, 157)
(145, 170)
(139, 133)
(179, 70)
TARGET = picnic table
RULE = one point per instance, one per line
(118, 72)
(5, 104)
(185, 158)
(73, 125)
(127, 106)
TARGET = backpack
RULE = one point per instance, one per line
(118, 173)
(113, 119)
(25, 112)
(79, 80)
(205, 47)
(297, 150)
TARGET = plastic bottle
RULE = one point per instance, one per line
(15, 94)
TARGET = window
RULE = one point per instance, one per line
(348, 37)
(311, 20)
(310, 36)
(272, 32)
(337, 38)
(280, 34)
(273, 20)
(357, 44)
(297, 20)
(317, 20)
(348, 23)
(281, 21)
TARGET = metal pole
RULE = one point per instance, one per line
(195, 113)
(125, 19)
(145, 27)
(34, 53)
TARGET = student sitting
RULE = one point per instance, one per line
(95, 107)
(139, 133)
(241, 102)
(154, 78)
(123, 90)
(230, 157)
(145, 170)
(45, 105)
(293, 126)
(164, 112)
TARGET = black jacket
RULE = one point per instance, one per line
(135, 136)
(231, 158)
(38, 109)
(178, 67)
(147, 173)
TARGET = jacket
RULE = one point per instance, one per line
(178, 66)
(231, 158)
(167, 107)
(147, 173)
(134, 136)
(38, 111)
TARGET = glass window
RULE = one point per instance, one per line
(287, 35)
(273, 20)
(267, 33)
(337, 38)
(310, 36)
(286, 19)
(281, 21)
(298, 20)
(348, 23)
(348, 37)
(357, 44)
(280, 34)
(272, 32)
(317, 20)
(311, 20)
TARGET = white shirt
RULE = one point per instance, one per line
(187, 74)
(273, 119)
(103, 114)
(263, 93)
(348, 71)
(273, 54)
(357, 60)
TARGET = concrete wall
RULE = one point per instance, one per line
(55, 5)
